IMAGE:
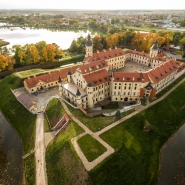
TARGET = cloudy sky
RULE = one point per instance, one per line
(92, 4)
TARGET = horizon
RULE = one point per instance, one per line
(116, 5)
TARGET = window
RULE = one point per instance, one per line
(128, 93)
(118, 93)
(134, 93)
(114, 92)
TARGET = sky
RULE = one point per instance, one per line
(93, 4)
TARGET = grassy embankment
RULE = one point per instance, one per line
(96, 123)
(20, 118)
(63, 165)
(136, 160)
(54, 112)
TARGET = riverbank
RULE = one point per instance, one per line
(19, 118)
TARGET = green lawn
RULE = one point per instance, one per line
(111, 105)
(91, 147)
(30, 72)
(54, 111)
(63, 165)
(136, 160)
(147, 29)
(96, 123)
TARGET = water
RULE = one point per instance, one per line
(11, 164)
(19, 36)
(173, 160)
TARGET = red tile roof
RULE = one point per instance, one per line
(98, 77)
(130, 77)
(92, 66)
(47, 78)
(162, 71)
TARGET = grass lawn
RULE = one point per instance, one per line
(143, 28)
(20, 118)
(96, 123)
(30, 169)
(30, 72)
(54, 111)
(136, 160)
(143, 102)
(91, 147)
(63, 165)
(111, 105)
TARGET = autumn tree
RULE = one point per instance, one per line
(3, 62)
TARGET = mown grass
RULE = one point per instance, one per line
(20, 118)
(54, 111)
(63, 165)
(96, 123)
(30, 169)
(136, 160)
(91, 147)
(111, 105)
(30, 72)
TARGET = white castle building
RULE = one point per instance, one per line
(99, 79)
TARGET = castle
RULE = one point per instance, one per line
(98, 79)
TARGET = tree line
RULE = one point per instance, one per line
(28, 54)
(131, 39)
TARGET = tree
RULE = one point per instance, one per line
(182, 44)
(3, 62)
(118, 114)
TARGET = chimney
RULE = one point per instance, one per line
(104, 50)
(133, 78)
(110, 49)
(123, 78)
(116, 47)
(97, 51)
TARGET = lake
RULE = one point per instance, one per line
(11, 164)
(173, 160)
(20, 36)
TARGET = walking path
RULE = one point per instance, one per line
(88, 165)
(41, 177)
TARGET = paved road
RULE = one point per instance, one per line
(41, 177)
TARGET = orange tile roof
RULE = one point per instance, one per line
(130, 77)
(97, 78)
(47, 78)
(92, 66)
(162, 71)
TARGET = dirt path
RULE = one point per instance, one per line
(41, 177)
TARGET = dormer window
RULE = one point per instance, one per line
(117, 78)
(128, 78)
(156, 77)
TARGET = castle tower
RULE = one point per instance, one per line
(69, 76)
(60, 85)
(154, 49)
(78, 98)
(89, 46)
(90, 94)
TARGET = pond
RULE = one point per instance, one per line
(11, 164)
(172, 170)
(20, 36)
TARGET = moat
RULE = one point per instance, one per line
(11, 164)
(173, 160)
